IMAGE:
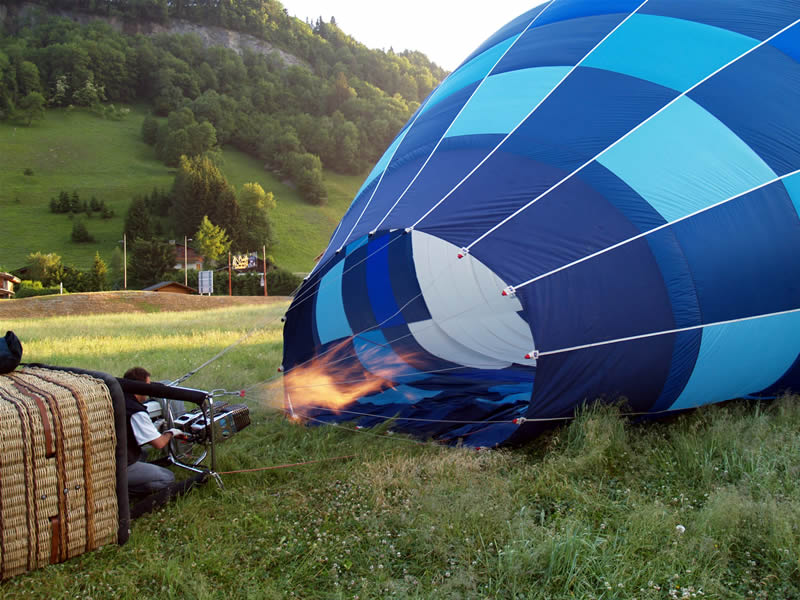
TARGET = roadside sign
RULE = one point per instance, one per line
(206, 282)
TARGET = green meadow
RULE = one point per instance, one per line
(702, 505)
(80, 151)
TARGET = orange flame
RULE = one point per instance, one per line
(339, 378)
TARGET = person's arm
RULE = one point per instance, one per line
(146, 433)
(161, 440)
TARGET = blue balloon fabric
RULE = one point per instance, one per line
(600, 202)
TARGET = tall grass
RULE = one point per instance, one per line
(589, 510)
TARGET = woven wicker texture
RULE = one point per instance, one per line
(57, 468)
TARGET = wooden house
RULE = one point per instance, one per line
(170, 286)
(7, 281)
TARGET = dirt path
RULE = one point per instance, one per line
(120, 302)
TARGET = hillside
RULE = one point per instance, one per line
(79, 151)
(302, 110)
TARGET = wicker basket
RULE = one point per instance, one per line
(58, 495)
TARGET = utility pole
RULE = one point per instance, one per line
(186, 240)
(229, 275)
(125, 261)
(264, 248)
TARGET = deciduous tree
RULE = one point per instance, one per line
(46, 268)
(255, 204)
(31, 108)
(212, 241)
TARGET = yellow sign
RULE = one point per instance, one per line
(239, 261)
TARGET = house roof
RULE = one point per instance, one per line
(191, 254)
(163, 284)
(10, 277)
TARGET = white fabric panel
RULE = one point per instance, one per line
(435, 341)
(475, 325)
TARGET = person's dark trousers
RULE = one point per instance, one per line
(164, 495)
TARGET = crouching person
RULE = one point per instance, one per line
(143, 477)
(150, 485)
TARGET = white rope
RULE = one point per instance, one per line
(383, 172)
(651, 117)
(541, 353)
(310, 294)
(420, 110)
(654, 230)
(319, 262)
(224, 351)
(525, 118)
(463, 108)
(377, 185)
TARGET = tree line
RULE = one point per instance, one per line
(340, 112)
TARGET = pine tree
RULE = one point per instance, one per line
(99, 274)
(138, 222)
(200, 190)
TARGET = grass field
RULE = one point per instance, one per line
(590, 510)
(79, 151)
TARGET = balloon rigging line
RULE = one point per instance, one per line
(383, 172)
(224, 351)
(330, 242)
(377, 185)
(654, 230)
(525, 118)
(374, 327)
(286, 466)
(299, 301)
(515, 421)
(419, 420)
(636, 128)
(373, 434)
(419, 113)
(541, 353)
(463, 108)
(314, 291)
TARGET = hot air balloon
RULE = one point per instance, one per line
(601, 202)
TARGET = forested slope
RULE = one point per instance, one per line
(332, 105)
(339, 113)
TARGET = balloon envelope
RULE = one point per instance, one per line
(600, 202)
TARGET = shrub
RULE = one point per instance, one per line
(28, 171)
(282, 283)
(80, 234)
(29, 288)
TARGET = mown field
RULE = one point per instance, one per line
(591, 510)
(79, 151)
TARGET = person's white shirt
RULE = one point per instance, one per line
(143, 429)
